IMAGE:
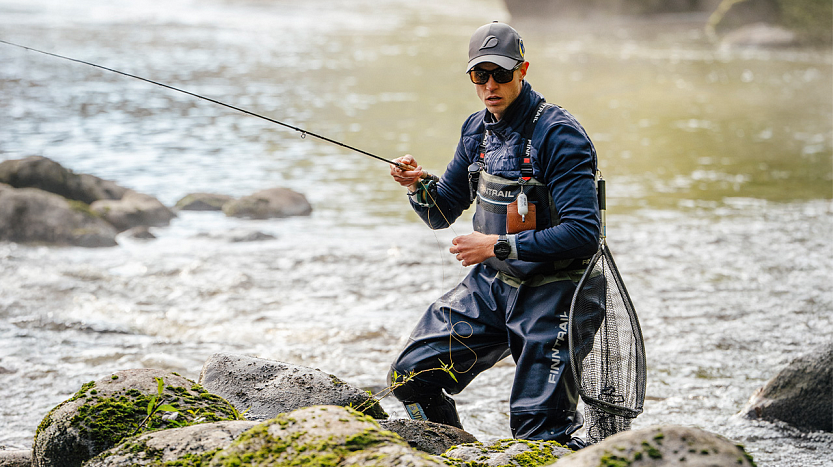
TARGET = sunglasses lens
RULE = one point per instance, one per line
(501, 76)
(479, 76)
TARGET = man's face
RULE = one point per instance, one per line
(497, 96)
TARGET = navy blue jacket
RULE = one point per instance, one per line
(563, 158)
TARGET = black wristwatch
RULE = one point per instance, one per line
(502, 248)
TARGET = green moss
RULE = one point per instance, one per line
(82, 207)
(612, 460)
(746, 455)
(652, 452)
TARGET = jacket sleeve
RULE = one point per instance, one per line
(567, 163)
(453, 189)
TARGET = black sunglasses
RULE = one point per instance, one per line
(501, 75)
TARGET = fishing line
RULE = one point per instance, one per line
(303, 132)
(424, 175)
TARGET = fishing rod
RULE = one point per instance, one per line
(304, 133)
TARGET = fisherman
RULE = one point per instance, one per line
(529, 167)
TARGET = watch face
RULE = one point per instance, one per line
(502, 249)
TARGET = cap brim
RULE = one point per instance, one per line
(499, 60)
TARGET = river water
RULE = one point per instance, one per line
(718, 164)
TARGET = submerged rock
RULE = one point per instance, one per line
(262, 389)
(433, 438)
(48, 175)
(106, 411)
(174, 446)
(203, 202)
(665, 446)
(321, 435)
(505, 453)
(800, 394)
(31, 215)
(271, 203)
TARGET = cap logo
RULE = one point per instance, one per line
(521, 47)
(490, 42)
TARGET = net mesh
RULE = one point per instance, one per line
(608, 356)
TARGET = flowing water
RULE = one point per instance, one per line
(718, 164)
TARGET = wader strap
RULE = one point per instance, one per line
(529, 129)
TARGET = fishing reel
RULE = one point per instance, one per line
(426, 192)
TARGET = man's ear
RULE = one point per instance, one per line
(523, 69)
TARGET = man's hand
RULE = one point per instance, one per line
(406, 178)
(473, 248)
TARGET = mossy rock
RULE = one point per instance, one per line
(505, 453)
(186, 446)
(321, 436)
(660, 445)
(104, 412)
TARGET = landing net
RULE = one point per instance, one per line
(606, 349)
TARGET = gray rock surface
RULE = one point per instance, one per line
(48, 175)
(759, 35)
(506, 452)
(203, 202)
(31, 215)
(801, 394)
(106, 411)
(15, 458)
(261, 389)
(433, 438)
(270, 203)
(132, 210)
(175, 444)
(666, 446)
(322, 435)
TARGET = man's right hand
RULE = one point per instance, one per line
(406, 178)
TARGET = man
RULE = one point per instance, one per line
(530, 169)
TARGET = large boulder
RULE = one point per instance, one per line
(505, 453)
(48, 175)
(667, 446)
(31, 215)
(430, 437)
(318, 436)
(261, 389)
(271, 203)
(174, 446)
(133, 209)
(123, 404)
(203, 202)
(800, 394)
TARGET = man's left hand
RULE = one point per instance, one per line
(473, 248)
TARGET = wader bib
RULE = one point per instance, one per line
(501, 308)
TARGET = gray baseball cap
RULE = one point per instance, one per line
(496, 43)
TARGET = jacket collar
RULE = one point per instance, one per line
(516, 113)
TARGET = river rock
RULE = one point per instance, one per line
(15, 458)
(430, 437)
(505, 453)
(133, 209)
(174, 446)
(322, 435)
(31, 215)
(666, 446)
(800, 394)
(261, 389)
(271, 203)
(104, 412)
(48, 175)
(202, 202)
